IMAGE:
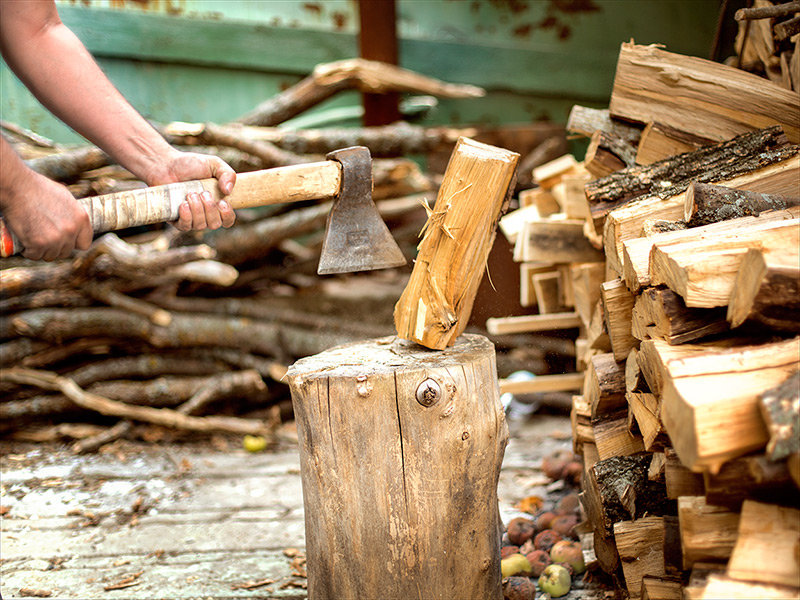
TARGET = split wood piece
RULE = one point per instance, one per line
(550, 173)
(582, 353)
(780, 408)
(640, 544)
(617, 308)
(646, 410)
(357, 73)
(672, 175)
(752, 476)
(636, 252)
(547, 288)
(565, 288)
(767, 12)
(605, 385)
(794, 66)
(586, 281)
(708, 429)
(580, 417)
(703, 272)
(658, 467)
(556, 241)
(435, 425)
(617, 489)
(544, 201)
(543, 383)
(766, 549)
(607, 153)
(435, 306)
(708, 532)
(529, 323)
(512, 223)
(634, 378)
(661, 588)
(661, 141)
(706, 203)
(699, 577)
(767, 289)
(612, 437)
(400, 138)
(793, 466)
(105, 406)
(569, 193)
(719, 586)
(679, 480)
(655, 354)
(586, 121)
(665, 315)
(627, 222)
(596, 333)
(701, 96)
(527, 295)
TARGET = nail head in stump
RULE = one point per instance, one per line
(400, 454)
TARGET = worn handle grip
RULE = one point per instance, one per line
(110, 212)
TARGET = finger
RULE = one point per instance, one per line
(184, 222)
(226, 176)
(198, 211)
(33, 253)
(227, 214)
(84, 237)
(211, 211)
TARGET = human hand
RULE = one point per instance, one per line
(45, 217)
(199, 211)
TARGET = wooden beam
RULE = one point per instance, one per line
(565, 382)
(528, 323)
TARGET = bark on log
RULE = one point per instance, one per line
(434, 435)
(780, 408)
(363, 75)
(586, 121)
(767, 12)
(706, 203)
(607, 153)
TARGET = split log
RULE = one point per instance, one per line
(604, 389)
(703, 272)
(617, 308)
(556, 241)
(666, 178)
(647, 412)
(613, 438)
(570, 195)
(581, 420)
(720, 586)
(708, 532)
(586, 121)
(661, 141)
(767, 289)
(527, 271)
(697, 95)
(641, 544)
(780, 408)
(766, 548)
(737, 378)
(435, 426)
(364, 75)
(547, 288)
(678, 480)
(628, 222)
(586, 281)
(706, 203)
(661, 588)
(634, 378)
(666, 316)
(550, 173)
(752, 476)
(607, 153)
(435, 306)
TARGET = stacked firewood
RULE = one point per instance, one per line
(153, 332)
(673, 249)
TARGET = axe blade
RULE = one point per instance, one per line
(356, 238)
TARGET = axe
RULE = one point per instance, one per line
(356, 238)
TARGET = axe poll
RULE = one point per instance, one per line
(356, 238)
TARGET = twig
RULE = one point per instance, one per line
(767, 12)
(94, 442)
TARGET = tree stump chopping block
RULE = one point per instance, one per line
(400, 453)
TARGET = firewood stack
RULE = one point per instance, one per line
(674, 250)
(153, 332)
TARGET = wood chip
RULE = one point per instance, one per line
(125, 582)
(250, 585)
(31, 593)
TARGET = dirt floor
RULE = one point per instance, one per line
(188, 521)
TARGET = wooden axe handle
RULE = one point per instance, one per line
(109, 212)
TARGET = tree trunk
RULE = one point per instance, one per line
(400, 452)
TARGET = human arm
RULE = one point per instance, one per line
(51, 61)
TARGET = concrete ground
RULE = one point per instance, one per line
(186, 521)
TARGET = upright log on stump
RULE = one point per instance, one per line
(400, 452)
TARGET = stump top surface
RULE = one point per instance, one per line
(386, 355)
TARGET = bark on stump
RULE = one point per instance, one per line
(400, 452)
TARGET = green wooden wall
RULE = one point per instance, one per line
(213, 60)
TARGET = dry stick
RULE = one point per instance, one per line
(230, 384)
(364, 75)
(94, 442)
(269, 154)
(767, 12)
(42, 299)
(69, 164)
(105, 406)
(785, 30)
(28, 136)
(105, 293)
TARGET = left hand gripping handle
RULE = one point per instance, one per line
(111, 212)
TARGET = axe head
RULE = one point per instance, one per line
(356, 238)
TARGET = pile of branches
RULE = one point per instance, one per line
(193, 331)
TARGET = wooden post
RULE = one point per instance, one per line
(400, 452)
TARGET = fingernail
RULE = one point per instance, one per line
(224, 205)
(228, 187)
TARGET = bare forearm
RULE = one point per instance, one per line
(56, 67)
